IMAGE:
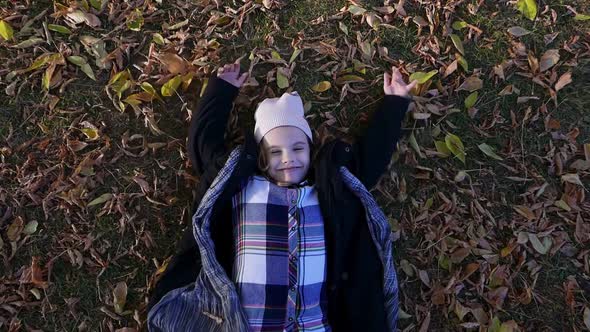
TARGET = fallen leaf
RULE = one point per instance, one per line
(423, 275)
(15, 229)
(458, 43)
(549, 59)
(441, 147)
(59, 28)
(31, 227)
(471, 84)
(489, 151)
(6, 31)
(518, 31)
(29, 42)
(100, 199)
(120, 297)
(563, 80)
(135, 20)
(282, 79)
(422, 77)
(524, 211)
(572, 178)
(173, 63)
(471, 100)
(582, 17)
(343, 27)
(455, 145)
(460, 254)
(582, 233)
(541, 248)
(587, 317)
(356, 10)
(458, 25)
(170, 87)
(322, 86)
(528, 8)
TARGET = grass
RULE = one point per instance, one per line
(127, 227)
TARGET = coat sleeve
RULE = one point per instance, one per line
(372, 151)
(206, 145)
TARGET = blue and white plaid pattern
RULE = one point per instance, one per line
(280, 262)
(212, 303)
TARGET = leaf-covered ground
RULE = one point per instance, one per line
(487, 193)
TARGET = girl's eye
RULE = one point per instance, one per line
(298, 149)
(275, 152)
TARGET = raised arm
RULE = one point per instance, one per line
(206, 144)
(372, 151)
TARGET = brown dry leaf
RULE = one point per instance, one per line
(460, 254)
(497, 296)
(471, 84)
(524, 211)
(572, 178)
(548, 59)
(563, 80)
(425, 323)
(460, 310)
(37, 274)
(582, 233)
(570, 286)
(173, 63)
(450, 68)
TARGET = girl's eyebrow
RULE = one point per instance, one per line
(274, 146)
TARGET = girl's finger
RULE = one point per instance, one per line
(412, 84)
(396, 76)
(386, 80)
(243, 78)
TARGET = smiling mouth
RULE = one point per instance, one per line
(290, 169)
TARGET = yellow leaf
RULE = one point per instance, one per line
(100, 199)
(135, 20)
(455, 145)
(120, 297)
(349, 78)
(6, 30)
(91, 133)
(471, 100)
(528, 8)
(282, 80)
(170, 87)
(441, 147)
(422, 77)
(322, 86)
(458, 43)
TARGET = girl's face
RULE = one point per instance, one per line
(287, 153)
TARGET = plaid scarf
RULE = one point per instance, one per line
(280, 262)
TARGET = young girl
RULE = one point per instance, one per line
(281, 242)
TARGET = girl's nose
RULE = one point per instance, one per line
(288, 157)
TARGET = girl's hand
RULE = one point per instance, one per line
(394, 84)
(231, 74)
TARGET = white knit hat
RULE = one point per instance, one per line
(277, 112)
